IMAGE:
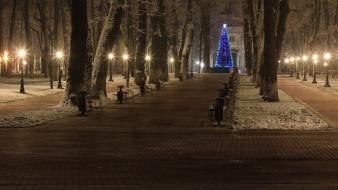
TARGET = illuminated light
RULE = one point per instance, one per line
(197, 63)
(24, 62)
(305, 58)
(111, 56)
(315, 62)
(202, 65)
(298, 58)
(22, 53)
(292, 59)
(325, 64)
(286, 61)
(59, 55)
(315, 57)
(172, 60)
(148, 58)
(125, 57)
(6, 56)
(327, 56)
(224, 55)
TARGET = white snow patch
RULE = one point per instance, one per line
(251, 112)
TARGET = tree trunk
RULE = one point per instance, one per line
(247, 39)
(173, 39)
(273, 44)
(28, 33)
(159, 62)
(11, 43)
(106, 43)
(2, 64)
(46, 57)
(187, 42)
(205, 25)
(78, 51)
(141, 47)
(65, 31)
(256, 18)
(56, 46)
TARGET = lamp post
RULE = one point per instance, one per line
(297, 68)
(315, 62)
(172, 60)
(292, 60)
(287, 61)
(125, 58)
(304, 58)
(147, 58)
(59, 55)
(110, 59)
(327, 57)
(202, 65)
(22, 54)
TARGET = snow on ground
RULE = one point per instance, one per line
(10, 89)
(39, 87)
(251, 112)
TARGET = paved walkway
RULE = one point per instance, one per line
(164, 141)
(322, 102)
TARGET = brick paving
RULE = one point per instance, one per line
(164, 141)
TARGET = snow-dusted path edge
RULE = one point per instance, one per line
(251, 112)
(37, 117)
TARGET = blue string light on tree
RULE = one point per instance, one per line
(224, 56)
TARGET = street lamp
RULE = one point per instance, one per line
(287, 61)
(304, 58)
(172, 61)
(297, 68)
(202, 65)
(21, 55)
(292, 60)
(314, 74)
(59, 55)
(111, 57)
(125, 58)
(147, 58)
(327, 57)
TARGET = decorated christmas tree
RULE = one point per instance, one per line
(224, 56)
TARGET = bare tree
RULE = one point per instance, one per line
(187, 41)
(141, 47)
(274, 36)
(78, 51)
(159, 37)
(106, 43)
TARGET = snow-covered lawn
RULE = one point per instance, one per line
(251, 112)
(39, 87)
(10, 89)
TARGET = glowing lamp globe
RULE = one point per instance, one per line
(59, 55)
(327, 56)
(305, 58)
(148, 58)
(6, 56)
(315, 57)
(125, 57)
(111, 56)
(22, 53)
